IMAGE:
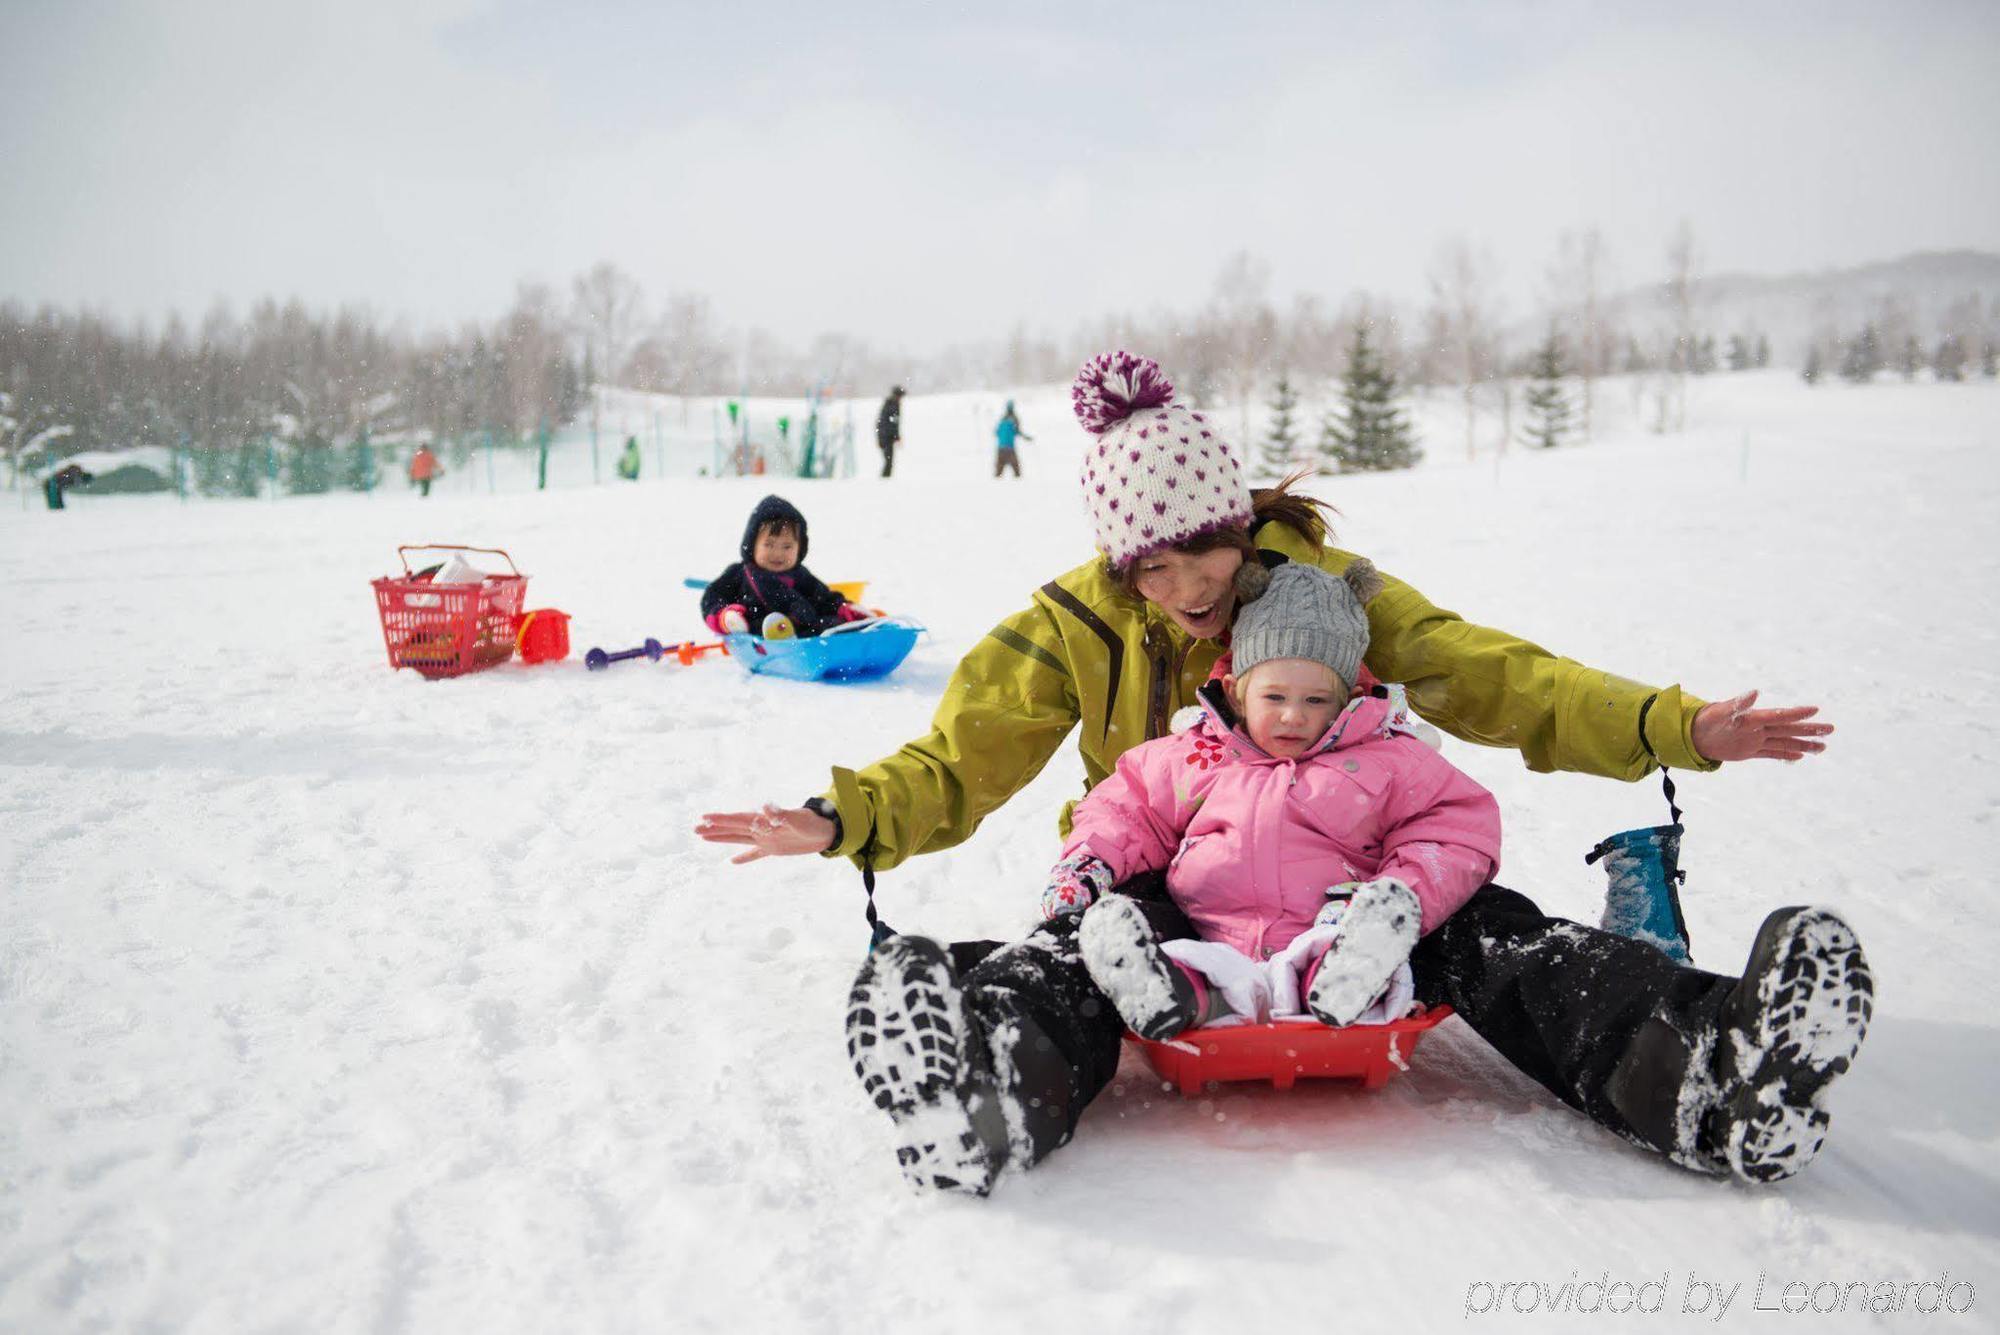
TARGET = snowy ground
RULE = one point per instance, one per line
(333, 1000)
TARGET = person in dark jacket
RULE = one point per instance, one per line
(770, 590)
(70, 475)
(889, 428)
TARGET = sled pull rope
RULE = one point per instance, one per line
(1674, 819)
(1666, 779)
(878, 931)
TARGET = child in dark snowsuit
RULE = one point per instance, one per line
(770, 590)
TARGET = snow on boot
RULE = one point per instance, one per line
(1152, 995)
(922, 1060)
(1744, 1093)
(778, 626)
(1793, 1023)
(1378, 928)
(1643, 898)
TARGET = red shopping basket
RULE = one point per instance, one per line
(447, 630)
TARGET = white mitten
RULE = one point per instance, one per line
(1377, 928)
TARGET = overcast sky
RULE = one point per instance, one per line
(920, 174)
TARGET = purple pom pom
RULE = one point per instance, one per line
(1114, 385)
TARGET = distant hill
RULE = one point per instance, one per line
(1920, 290)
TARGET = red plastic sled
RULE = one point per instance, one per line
(1288, 1051)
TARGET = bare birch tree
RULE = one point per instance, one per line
(1242, 316)
(1680, 293)
(1462, 297)
(1577, 280)
(605, 305)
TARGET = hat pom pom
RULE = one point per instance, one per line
(1114, 385)
(1250, 581)
(1363, 578)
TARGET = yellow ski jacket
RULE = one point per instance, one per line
(1087, 657)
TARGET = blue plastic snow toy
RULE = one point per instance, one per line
(855, 651)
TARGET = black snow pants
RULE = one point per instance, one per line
(1559, 1000)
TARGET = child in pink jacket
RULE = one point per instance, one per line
(1310, 840)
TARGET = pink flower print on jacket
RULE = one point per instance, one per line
(1205, 752)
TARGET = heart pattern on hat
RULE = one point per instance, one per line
(1147, 446)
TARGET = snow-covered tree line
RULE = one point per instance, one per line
(281, 374)
(1961, 346)
(75, 380)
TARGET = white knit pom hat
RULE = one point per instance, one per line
(1158, 472)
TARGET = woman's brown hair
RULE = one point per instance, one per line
(1307, 516)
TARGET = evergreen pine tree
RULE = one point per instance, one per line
(213, 466)
(1763, 358)
(357, 470)
(1989, 363)
(1739, 353)
(1281, 442)
(1912, 360)
(1864, 357)
(1814, 368)
(1704, 355)
(309, 465)
(1367, 432)
(252, 462)
(1548, 406)
(1949, 358)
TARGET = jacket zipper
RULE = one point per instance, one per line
(1166, 671)
(1156, 709)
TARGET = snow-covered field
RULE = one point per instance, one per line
(334, 1000)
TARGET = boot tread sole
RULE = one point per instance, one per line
(906, 1027)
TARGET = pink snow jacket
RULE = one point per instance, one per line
(1252, 843)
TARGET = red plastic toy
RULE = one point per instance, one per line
(1288, 1051)
(447, 630)
(543, 636)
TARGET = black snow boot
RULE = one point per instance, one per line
(1153, 996)
(923, 1059)
(1741, 1091)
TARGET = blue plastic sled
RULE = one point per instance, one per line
(859, 651)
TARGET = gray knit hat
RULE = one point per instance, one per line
(1304, 612)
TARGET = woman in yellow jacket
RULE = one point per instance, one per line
(985, 1057)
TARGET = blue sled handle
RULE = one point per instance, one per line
(694, 583)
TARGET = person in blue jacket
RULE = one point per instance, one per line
(1005, 434)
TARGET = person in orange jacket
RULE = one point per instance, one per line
(424, 469)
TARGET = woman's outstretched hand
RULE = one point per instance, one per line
(772, 831)
(1732, 730)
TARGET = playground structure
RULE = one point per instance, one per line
(721, 437)
(677, 437)
(819, 442)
